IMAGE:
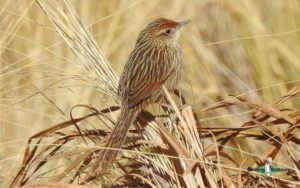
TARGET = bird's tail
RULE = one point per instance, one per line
(108, 154)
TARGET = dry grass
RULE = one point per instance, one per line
(54, 73)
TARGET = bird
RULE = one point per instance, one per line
(155, 61)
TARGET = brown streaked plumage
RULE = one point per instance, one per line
(155, 61)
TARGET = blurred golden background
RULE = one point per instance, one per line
(230, 47)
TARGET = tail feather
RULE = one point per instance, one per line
(107, 155)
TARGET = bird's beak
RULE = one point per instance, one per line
(182, 23)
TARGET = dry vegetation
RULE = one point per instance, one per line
(240, 84)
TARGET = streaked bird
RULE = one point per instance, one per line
(156, 60)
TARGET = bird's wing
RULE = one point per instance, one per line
(145, 88)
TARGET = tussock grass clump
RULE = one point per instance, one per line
(168, 150)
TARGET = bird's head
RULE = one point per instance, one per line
(162, 29)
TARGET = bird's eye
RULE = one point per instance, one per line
(168, 31)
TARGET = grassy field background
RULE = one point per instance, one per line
(230, 47)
